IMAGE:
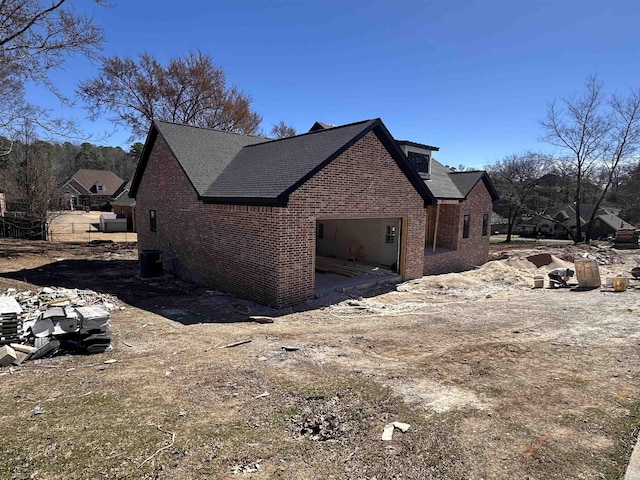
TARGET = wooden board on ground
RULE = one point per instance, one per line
(326, 264)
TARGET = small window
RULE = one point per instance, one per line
(390, 234)
(320, 231)
(485, 224)
(465, 226)
(420, 161)
(153, 221)
(99, 187)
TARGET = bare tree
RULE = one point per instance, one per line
(282, 130)
(598, 135)
(36, 37)
(515, 178)
(34, 183)
(190, 90)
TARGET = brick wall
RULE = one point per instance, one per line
(229, 247)
(447, 234)
(363, 182)
(268, 253)
(470, 251)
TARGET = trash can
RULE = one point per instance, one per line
(150, 263)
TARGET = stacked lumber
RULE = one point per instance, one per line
(627, 238)
(326, 264)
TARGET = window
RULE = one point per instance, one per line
(420, 161)
(390, 234)
(320, 231)
(465, 226)
(99, 187)
(485, 224)
(153, 221)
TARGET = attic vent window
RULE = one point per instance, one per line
(420, 161)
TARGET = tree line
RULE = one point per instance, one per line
(596, 135)
(597, 138)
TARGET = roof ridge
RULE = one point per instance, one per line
(209, 129)
(332, 129)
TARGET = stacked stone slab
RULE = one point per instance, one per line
(10, 320)
(94, 328)
(80, 329)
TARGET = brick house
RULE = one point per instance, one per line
(90, 188)
(250, 215)
(123, 205)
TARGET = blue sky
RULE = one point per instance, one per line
(472, 77)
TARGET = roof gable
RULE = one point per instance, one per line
(441, 184)
(85, 180)
(320, 126)
(203, 153)
(466, 181)
(267, 173)
(613, 221)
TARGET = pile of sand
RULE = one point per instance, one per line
(515, 270)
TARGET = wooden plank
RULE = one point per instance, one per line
(18, 347)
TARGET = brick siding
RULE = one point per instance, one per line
(364, 182)
(267, 253)
(464, 253)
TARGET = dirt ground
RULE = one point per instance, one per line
(497, 380)
(81, 226)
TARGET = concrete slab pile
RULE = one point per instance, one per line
(55, 320)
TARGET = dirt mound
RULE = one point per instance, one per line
(513, 269)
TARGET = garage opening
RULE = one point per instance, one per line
(355, 252)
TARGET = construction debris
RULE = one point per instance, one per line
(260, 319)
(39, 325)
(290, 348)
(246, 468)
(10, 320)
(387, 432)
(235, 344)
(7, 356)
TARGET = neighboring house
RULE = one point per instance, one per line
(249, 215)
(90, 188)
(499, 224)
(124, 205)
(555, 221)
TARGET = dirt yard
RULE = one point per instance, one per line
(80, 226)
(496, 379)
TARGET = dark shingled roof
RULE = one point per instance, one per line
(320, 126)
(440, 183)
(615, 222)
(419, 145)
(239, 169)
(203, 153)
(273, 169)
(84, 179)
(465, 181)
(446, 184)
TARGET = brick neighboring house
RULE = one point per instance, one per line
(124, 205)
(248, 215)
(90, 188)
